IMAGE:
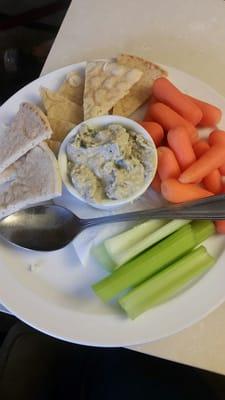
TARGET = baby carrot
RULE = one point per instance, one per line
(169, 119)
(211, 114)
(211, 159)
(217, 137)
(213, 182)
(168, 166)
(152, 100)
(220, 226)
(179, 141)
(156, 183)
(176, 192)
(164, 91)
(200, 147)
(155, 131)
(222, 170)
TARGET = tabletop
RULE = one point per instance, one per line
(188, 35)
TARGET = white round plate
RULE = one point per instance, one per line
(52, 291)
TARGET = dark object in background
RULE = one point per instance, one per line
(19, 67)
(15, 59)
(29, 16)
(38, 367)
(27, 32)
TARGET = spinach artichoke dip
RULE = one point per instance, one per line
(110, 163)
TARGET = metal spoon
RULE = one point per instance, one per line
(52, 227)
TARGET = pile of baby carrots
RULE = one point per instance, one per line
(189, 168)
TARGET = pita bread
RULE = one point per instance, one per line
(59, 107)
(73, 88)
(34, 178)
(60, 128)
(105, 84)
(29, 128)
(8, 174)
(141, 91)
(54, 146)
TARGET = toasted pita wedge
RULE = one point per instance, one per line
(141, 91)
(34, 178)
(105, 84)
(59, 107)
(29, 128)
(73, 88)
(54, 146)
(60, 128)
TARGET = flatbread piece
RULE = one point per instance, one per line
(73, 88)
(34, 178)
(105, 84)
(60, 128)
(29, 128)
(141, 91)
(59, 107)
(54, 145)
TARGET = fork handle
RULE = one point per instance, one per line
(212, 208)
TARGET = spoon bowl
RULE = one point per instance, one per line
(45, 228)
(52, 227)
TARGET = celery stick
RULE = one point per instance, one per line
(202, 230)
(123, 242)
(100, 253)
(127, 245)
(123, 247)
(146, 264)
(167, 282)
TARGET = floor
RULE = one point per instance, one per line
(24, 45)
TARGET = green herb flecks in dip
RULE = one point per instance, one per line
(110, 163)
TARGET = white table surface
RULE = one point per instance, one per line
(189, 35)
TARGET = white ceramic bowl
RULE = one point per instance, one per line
(103, 122)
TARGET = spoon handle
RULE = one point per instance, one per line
(209, 208)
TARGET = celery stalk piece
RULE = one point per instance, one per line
(202, 230)
(122, 243)
(167, 282)
(127, 245)
(100, 253)
(121, 248)
(146, 264)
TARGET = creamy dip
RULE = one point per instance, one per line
(110, 163)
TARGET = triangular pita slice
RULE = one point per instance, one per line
(141, 91)
(34, 178)
(60, 128)
(73, 87)
(54, 145)
(8, 174)
(59, 107)
(105, 84)
(29, 128)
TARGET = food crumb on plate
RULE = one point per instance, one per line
(35, 266)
